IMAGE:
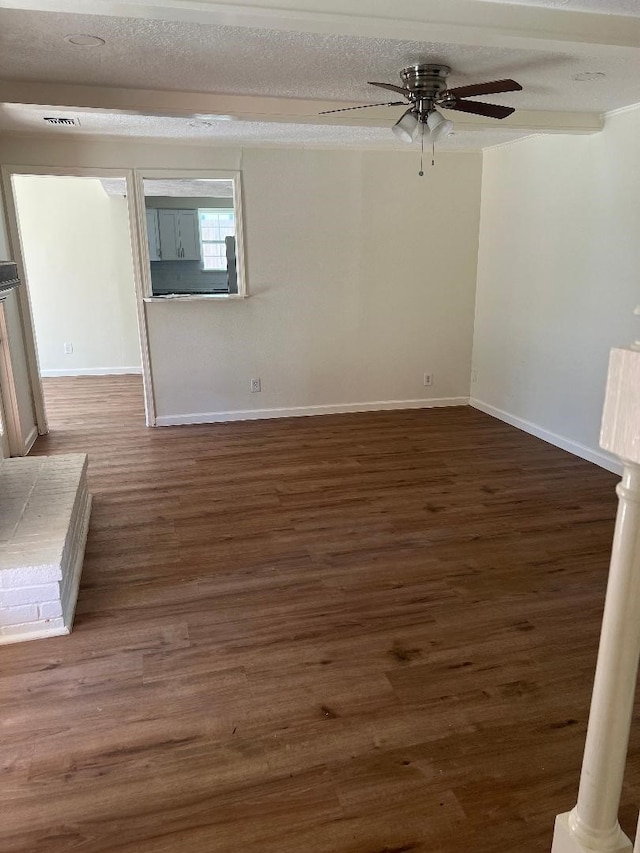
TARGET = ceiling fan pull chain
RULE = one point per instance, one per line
(433, 153)
(421, 172)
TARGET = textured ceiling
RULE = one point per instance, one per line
(112, 186)
(234, 60)
(177, 55)
(234, 133)
(176, 188)
(185, 188)
(603, 7)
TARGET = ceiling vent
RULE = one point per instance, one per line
(74, 122)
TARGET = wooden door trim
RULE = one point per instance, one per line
(12, 441)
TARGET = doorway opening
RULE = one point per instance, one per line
(76, 247)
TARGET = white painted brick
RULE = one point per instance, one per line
(29, 594)
(15, 615)
(43, 527)
(29, 576)
(50, 609)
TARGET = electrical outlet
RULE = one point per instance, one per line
(428, 379)
(256, 385)
(68, 348)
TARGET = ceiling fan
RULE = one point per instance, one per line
(424, 87)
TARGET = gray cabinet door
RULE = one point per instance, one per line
(153, 235)
(189, 235)
(179, 235)
(168, 230)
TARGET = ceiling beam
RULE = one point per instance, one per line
(444, 21)
(251, 108)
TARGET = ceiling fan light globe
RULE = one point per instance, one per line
(406, 127)
(439, 126)
(421, 130)
(401, 133)
(434, 120)
(443, 130)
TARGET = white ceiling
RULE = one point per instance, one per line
(180, 56)
(312, 58)
(607, 7)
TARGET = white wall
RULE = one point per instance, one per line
(77, 254)
(361, 274)
(359, 280)
(557, 279)
(359, 284)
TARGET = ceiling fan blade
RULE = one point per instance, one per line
(364, 107)
(390, 87)
(492, 88)
(480, 109)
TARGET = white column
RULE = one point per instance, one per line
(593, 824)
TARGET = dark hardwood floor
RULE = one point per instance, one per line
(364, 633)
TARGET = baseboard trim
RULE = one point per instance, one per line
(30, 440)
(304, 411)
(581, 450)
(92, 371)
(43, 634)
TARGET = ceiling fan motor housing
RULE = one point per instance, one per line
(426, 80)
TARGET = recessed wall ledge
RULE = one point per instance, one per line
(197, 297)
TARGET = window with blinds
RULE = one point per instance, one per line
(216, 224)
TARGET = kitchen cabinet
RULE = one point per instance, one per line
(189, 235)
(179, 235)
(168, 231)
(153, 235)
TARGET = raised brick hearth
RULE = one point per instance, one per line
(44, 518)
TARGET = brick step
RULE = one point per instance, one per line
(44, 519)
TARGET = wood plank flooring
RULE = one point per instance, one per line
(367, 633)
